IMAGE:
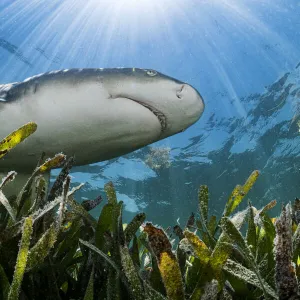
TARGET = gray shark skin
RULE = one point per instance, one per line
(94, 114)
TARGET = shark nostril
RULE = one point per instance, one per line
(179, 92)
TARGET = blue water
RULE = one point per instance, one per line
(230, 50)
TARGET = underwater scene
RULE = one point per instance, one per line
(149, 149)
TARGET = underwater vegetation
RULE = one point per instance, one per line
(52, 248)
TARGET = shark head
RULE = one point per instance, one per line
(175, 104)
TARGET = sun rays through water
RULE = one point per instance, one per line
(213, 44)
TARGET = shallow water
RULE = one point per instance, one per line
(240, 55)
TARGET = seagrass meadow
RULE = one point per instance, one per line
(52, 248)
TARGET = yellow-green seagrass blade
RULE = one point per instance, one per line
(16, 137)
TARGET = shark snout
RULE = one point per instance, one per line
(184, 111)
(193, 103)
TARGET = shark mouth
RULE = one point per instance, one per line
(160, 116)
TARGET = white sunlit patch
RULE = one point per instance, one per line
(137, 20)
(28, 79)
(130, 204)
(132, 7)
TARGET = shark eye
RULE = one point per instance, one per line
(151, 73)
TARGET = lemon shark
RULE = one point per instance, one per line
(94, 114)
